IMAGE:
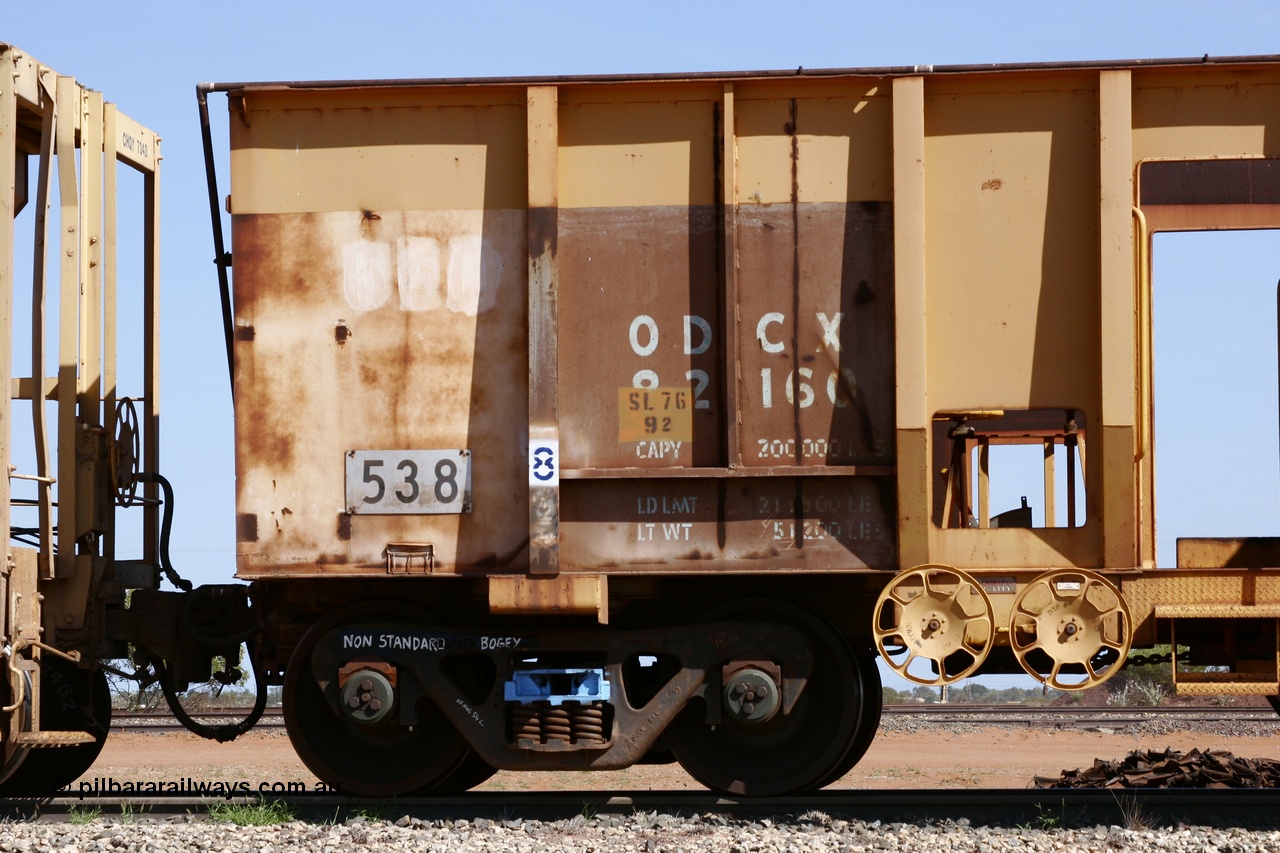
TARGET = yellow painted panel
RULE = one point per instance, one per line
(637, 154)
(327, 158)
(1017, 548)
(843, 147)
(1189, 115)
(1011, 189)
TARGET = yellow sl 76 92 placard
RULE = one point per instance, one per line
(655, 414)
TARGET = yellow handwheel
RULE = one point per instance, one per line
(935, 614)
(1070, 622)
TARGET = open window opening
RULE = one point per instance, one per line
(1217, 450)
(1009, 468)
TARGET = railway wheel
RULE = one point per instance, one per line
(71, 700)
(782, 753)
(936, 615)
(472, 771)
(864, 660)
(1070, 623)
(377, 759)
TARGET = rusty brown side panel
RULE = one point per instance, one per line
(644, 304)
(640, 304)
(336, 351)
(815, 334)
(705, 524)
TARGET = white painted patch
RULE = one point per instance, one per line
(418, 273)
(544, 462)
(475, 270)
(366, 274)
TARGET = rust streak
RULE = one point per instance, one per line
(796, 397)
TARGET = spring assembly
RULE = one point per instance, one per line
(588, 723)
(556, 724)
(567, 723)
(525, 724)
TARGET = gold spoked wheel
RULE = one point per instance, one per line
(1070, 629)
(934, 615)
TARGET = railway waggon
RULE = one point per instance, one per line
(583, 422)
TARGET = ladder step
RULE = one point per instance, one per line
(43, 739)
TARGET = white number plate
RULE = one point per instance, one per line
(408, 482)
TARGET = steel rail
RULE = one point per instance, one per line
(161, 721)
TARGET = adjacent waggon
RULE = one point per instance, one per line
(583, 422)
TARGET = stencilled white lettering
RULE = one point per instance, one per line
(822, 530)
(487, 643)
(658, 449)
(810, 448)
(411, 643)
(652, 505)
(665, 532)
(644, 336)
(471, 712)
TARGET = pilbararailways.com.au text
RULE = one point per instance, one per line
(106, 786)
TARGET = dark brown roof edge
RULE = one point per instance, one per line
(729, 76)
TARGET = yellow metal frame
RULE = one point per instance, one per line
(54, 593)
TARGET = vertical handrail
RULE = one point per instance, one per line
(1142, 295)
(221, 259)
(1072, 447)
(984, 482)
(68, 393)
(9, 207)
(39, 288)
(1050, 483)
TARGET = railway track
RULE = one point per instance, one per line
(1004, 715)
(1010, 808)
(992, 807)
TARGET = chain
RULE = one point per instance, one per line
(1148, 660)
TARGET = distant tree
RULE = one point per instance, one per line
(925, 693)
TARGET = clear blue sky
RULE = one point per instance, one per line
(147, 58)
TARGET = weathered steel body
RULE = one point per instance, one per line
(833, 265)
(588, 421)
(704, 339)
(783, 458)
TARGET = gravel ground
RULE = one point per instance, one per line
(639, 833)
